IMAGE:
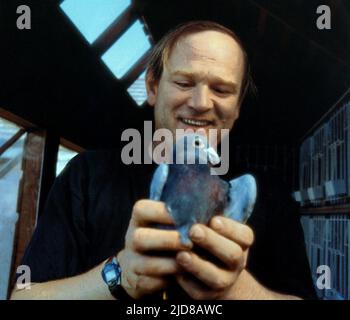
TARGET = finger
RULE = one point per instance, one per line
(229, 252)
(196, 290)
(205, 271)
(149, 211)
(155, 266)
(236, 231)
(146, 239)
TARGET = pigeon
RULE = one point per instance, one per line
(192, 194)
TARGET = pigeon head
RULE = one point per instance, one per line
(192, 148)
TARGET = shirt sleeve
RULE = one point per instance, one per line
(59, 245)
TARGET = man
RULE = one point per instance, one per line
(197, 78)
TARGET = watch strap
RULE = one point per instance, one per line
(112, 275)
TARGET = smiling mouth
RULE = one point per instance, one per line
(195, 122)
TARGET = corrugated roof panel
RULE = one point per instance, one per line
(7, 130)
(92, 17)
(63, 157)
(138, 89)
(127, 50)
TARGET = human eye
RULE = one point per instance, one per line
(183, 83)
(222, 91)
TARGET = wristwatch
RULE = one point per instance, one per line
(112, 275)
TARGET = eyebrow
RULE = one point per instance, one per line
(217, 79)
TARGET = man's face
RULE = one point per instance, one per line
(200, 84)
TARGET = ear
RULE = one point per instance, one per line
(237, 110)
(151, 88)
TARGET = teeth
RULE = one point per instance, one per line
(198, 123)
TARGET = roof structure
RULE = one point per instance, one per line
(59, 78)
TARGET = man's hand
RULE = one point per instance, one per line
(229, 242)
(143, 273)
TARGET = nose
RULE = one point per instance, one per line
(200, 99)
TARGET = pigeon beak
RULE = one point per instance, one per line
(214, 158)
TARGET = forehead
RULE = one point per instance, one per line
(206, 50)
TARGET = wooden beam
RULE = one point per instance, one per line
(48, 174)
(16, 119)
(70, 145)
(11, 141)
(39, 171)
(135, 72)
(6, 167)
(28, 194)
(327, 210)
(114, 31)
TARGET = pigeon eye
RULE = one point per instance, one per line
(198, 143)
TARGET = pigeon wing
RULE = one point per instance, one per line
(159, 179)
(242, 196)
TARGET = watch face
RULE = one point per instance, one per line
(111, 273)
(111, 276)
